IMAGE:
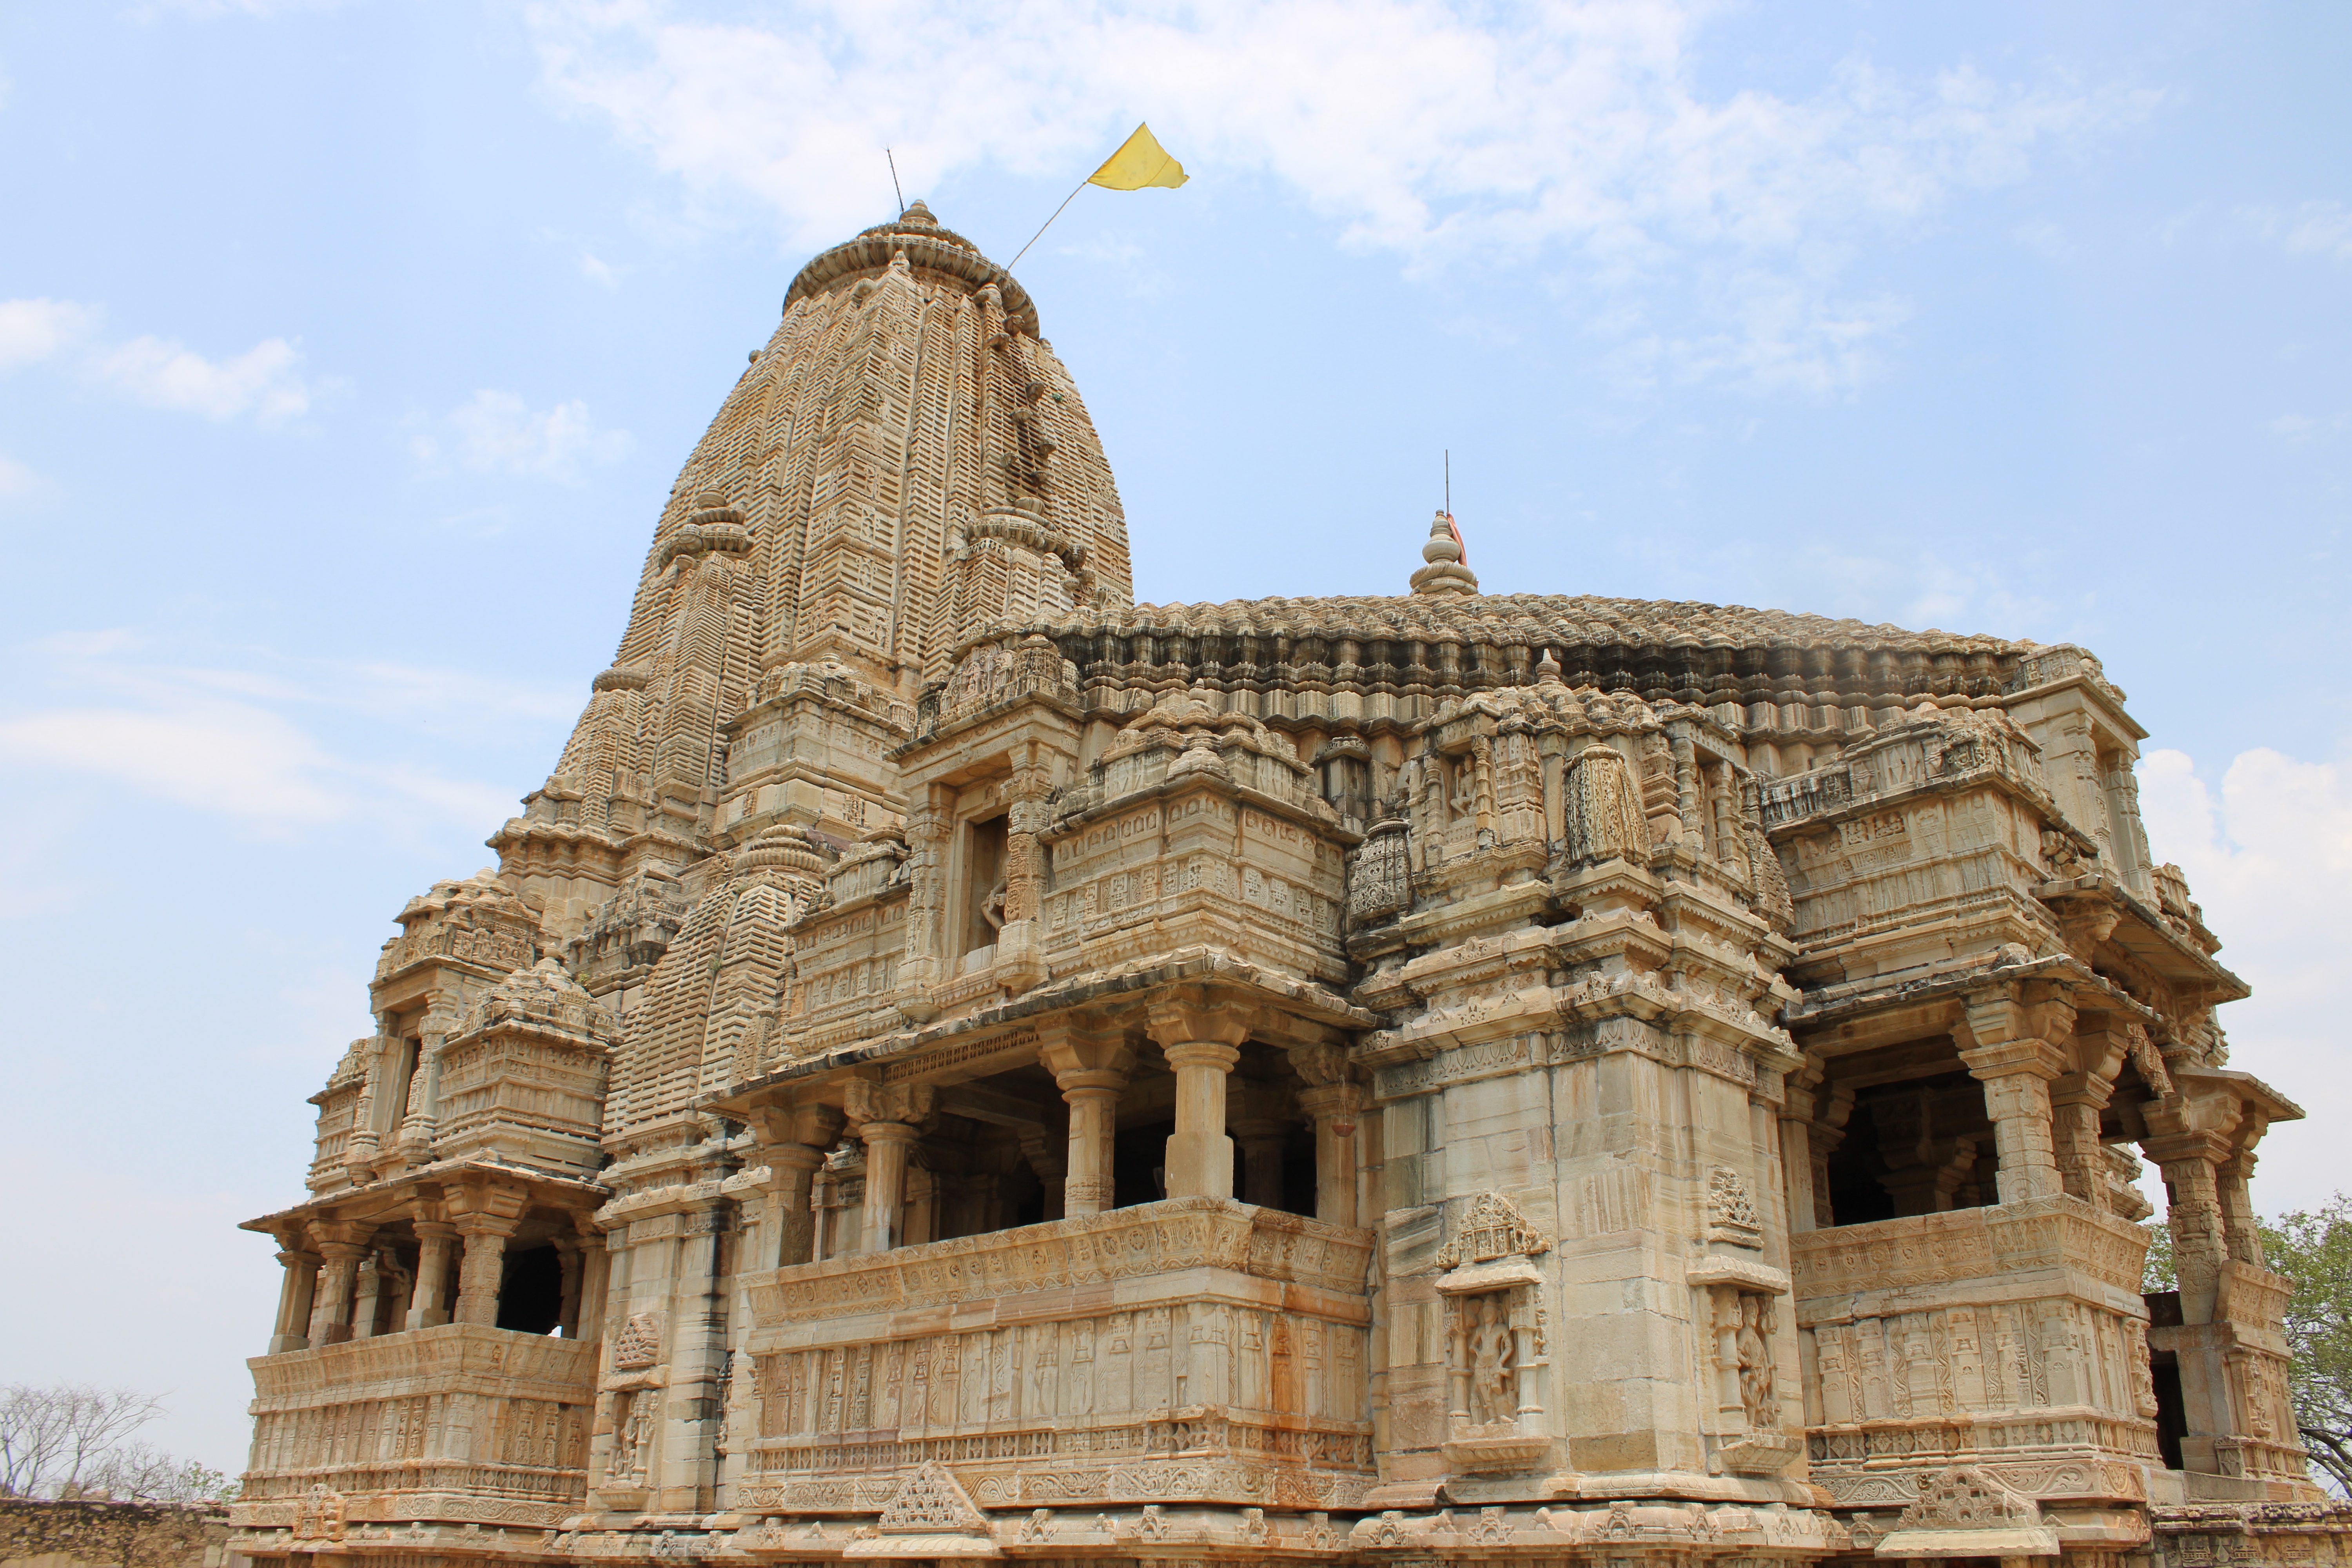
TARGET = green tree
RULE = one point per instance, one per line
(2314, 1249)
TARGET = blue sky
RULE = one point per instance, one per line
(346, 352)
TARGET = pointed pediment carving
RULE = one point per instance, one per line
(931, 1501)
(1967, 1497)
(1491, 1228)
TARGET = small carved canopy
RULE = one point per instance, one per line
(1490, 1228)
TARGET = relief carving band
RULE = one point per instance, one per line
(952, 1062)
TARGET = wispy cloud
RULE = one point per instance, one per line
(16, 479)
(1573, 135)
(266, 381)
(498, 432)
(2321, 228)
(2300, 428)
(600, 272)
(258, 742)
(35, 330)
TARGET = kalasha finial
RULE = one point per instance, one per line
(1445, 572)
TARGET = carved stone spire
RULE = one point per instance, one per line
(905, 461)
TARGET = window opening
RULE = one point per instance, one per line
(530, 1290)
(1923, 1145)
(983, 866)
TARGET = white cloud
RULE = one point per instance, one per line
(2299, 428)
(255, 745)
(226, 757)
(1574, 133)
(600, 272)
(33, 330)
(2268, 859)
(16, 479)
(498, 432)
(2308, 229)
(263, 381)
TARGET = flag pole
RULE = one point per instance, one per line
(895, 189)
(1048, 223)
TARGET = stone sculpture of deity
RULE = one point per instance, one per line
(1491, 1353)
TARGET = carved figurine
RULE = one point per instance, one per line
(1756, 1380)
(1491, 1353)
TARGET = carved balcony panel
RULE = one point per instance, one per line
(1195, 866)
(459, 1423)
(1187, 1351)
(2012, 1335)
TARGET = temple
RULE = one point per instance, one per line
(953, 1063)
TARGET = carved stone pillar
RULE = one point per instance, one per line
(2003, 1045)
(483, 1268)
(888, 1144)
(360, 1152)
(330, 1315)
(1797, 1158)
(367, 1297)
(295, 1293)
(887, 1120)
(1200, 1153)
(1091, 1070)
(926, 964)
(2231, 1181)
(595, 1273)
(434, 1240)
(794, 1143)
(2076, 1102)
(1201, 1041)
(1019, 948)
(1048, 1157)
(567, 1311)
(423, 1123)
(792, 1173)
(2190, 1162)
(1335, 1109)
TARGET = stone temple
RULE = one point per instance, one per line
(954, 1063)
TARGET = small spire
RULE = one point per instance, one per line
(1445, 572)
(919, 215)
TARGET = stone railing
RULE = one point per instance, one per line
(2011, 1336)
(1935, 1248)
(1146, 1239)
(457, 1422)
(1190, 1350)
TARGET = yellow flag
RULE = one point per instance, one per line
(1140, 161)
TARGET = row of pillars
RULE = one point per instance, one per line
(335, 1293)
(2046, 1083)
(1092, 1070)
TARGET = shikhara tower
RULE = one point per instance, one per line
(952, 1063)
